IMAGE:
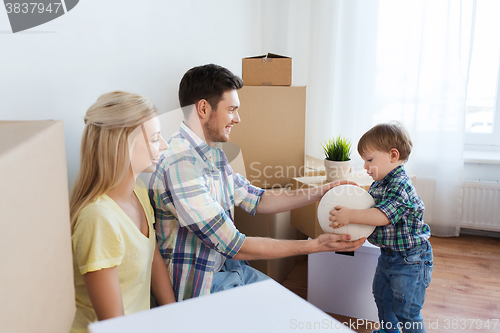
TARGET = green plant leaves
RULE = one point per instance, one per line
(337, 149)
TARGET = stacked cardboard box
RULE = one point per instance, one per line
(267, 70)
(275, 226)
(271, 136)
(36, 283)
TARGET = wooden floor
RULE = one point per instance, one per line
(464, 295)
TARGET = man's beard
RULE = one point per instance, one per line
(212, 133)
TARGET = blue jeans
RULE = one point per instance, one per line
(235, 273)
(399, 286)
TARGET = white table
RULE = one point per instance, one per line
(259, 307)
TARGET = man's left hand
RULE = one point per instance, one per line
(336, 183)
(338, 243)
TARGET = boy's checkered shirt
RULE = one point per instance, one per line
(396, 196)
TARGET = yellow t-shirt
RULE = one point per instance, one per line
(103, 237)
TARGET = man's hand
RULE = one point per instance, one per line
(255, 248)
(338, 243)
(325, 188)
(339, 217)
(275, 202)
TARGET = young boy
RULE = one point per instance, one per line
(405, 263)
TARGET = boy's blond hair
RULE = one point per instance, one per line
(384, 137)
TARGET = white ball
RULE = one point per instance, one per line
(350, 196)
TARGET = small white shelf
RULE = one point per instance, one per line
(485, 157)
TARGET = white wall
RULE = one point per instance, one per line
(57, 70)
(309, 31)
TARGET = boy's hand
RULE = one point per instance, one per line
(339, 216)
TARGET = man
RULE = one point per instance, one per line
(194, 190)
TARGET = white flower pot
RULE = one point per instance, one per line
(336, 170)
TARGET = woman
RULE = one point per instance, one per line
(116, 259)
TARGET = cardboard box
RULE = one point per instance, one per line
(268, 225)
(305, 219)
(271, 134)
(36, 283)
(267, 70)
(314, 167)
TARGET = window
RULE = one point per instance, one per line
(482, 122)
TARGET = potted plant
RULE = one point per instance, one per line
(337, 158)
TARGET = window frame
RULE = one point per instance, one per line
(487, 141)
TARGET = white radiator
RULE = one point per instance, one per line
(481, 206)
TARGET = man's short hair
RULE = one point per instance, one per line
(207, 82)
(384, 137)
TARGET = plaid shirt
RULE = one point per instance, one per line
(396, 197)
(193, 192)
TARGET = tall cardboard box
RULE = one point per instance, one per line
(271, 134)
(36, 283)
(267, 70)
(275, 226)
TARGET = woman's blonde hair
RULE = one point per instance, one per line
(104, 156)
